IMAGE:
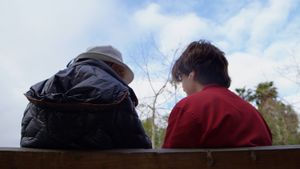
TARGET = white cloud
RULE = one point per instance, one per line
(268, 21)
(257, 24)
(236, 28)
(149, 19)
(293, 100)
(248, 70)
(182, 29)
(44, 34)
(171, 30)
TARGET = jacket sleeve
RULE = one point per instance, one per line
(132, 133)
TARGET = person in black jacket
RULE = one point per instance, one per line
(88, 105)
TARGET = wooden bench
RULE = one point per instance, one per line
(269, 157)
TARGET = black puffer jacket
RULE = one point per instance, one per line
(85, 105)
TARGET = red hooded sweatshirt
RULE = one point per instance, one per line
(215, 117)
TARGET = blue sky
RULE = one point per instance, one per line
(261, 40)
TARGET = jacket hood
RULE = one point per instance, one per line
(86, 81)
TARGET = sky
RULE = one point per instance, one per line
(261, 40)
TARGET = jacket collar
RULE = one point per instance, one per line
(209, 86)
(109, 70)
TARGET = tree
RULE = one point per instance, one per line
(154, 109)
(291, 71)
(281, 118)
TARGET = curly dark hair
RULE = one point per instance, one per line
(206, 60)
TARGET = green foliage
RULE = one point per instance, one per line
(159, 132)
(264, 92)
(245, 94)
(281, 118)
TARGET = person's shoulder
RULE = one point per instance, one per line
(205, 95)
(195, 98)
(182, 101)
(214, 91)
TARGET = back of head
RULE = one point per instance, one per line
(206, 60)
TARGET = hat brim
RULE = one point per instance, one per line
(128, 73)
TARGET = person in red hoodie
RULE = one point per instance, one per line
(211, 116)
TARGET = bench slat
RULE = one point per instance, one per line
(271, 157)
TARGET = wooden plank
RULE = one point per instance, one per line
(271, 157)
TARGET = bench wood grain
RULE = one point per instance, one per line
(269, 157)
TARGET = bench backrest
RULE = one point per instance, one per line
(270, 157)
